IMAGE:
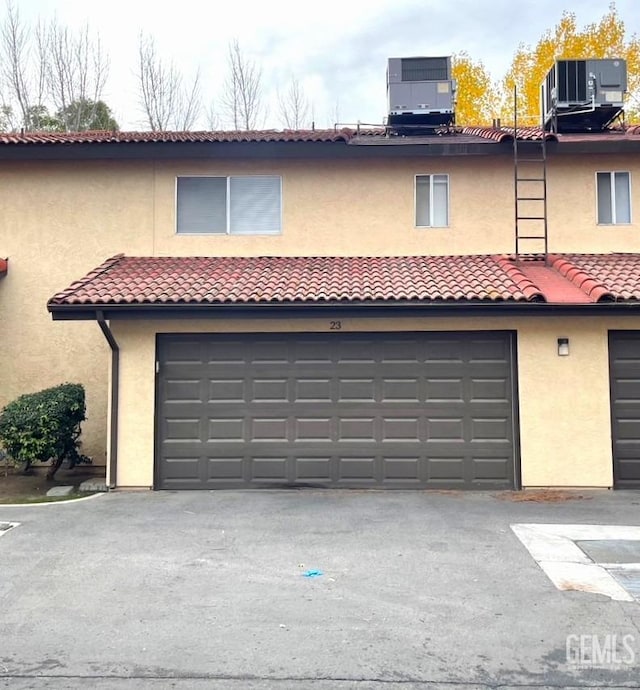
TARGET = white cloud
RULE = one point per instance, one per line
(337, 50)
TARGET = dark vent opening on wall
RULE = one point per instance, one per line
(424, 69)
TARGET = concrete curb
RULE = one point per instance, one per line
(49, 503)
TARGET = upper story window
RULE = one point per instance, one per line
(432, 201)
(238, 205)
(614, 198)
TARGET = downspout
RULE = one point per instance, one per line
(115, 387)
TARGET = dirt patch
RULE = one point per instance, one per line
(541, 496)
(20, 488)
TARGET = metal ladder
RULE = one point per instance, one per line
(530, 187)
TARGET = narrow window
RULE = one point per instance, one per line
(614, 197)
(432, 201)
(248, 205)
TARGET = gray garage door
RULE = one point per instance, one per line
(624, 354)
(339, 410)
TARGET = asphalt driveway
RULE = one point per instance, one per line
(206, 590)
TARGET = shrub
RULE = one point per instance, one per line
(43, 426)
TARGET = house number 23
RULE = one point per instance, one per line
(335, 325)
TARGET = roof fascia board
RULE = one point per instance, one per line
(82, 312)
(250, 150)
(320, 150)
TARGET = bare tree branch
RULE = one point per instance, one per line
(242, 92)
(293, 106)
(77, 73)
(189, 105)
(165, 102)
(48, 64)
(213, 120)
(15, 58)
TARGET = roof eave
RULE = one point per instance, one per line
(75, 312)
(242, 149)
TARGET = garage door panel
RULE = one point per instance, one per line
(629, 470)
(312, 390)
(488, 350)
(183, 390)
(626, 430)
(357, 429)
(226, 390)
(624, 363)
(398, 390)
(226, 429)
(356, 390)
(444, 350)
(402, 469)
(495, 429)
(489, 390)
(229, 352)
(317, 469)
(407, 429)
(446, 429)
(225, 468)
(270, 390)
(317, 429)
(402, 352)
(181, 429)
(442, 470)
(489, 469)
(382, 410)
(444, 390)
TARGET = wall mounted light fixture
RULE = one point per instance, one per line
(563, 347)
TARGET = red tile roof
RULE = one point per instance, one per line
(213, 280)
(567, 279)
(506, 133)
(100, 137)
(604, 277)
(345, 135)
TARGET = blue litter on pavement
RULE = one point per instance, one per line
(312, 573)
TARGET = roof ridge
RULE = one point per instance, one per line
(528, 288)
(594, 289)
(92, 275)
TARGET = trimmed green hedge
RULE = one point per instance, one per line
(43, 426)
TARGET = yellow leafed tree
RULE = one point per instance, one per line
(476, 95)
(604, 39)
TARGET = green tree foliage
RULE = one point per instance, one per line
(86, 114)
(43, 426)
(39, 120)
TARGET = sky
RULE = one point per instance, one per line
(336, 50)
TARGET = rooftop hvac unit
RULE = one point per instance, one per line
(421, 94)
(583, 95)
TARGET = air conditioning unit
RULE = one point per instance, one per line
(583, 95)
(421, 94)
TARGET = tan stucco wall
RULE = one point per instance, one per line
(565, 428)
(57, 221)
(60, 219)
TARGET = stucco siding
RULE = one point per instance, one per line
(565, 428)
(60, 219)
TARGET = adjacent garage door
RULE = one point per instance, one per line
(624, 354)
(340, 410)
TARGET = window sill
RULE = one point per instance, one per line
(614, 225)
(226, 234)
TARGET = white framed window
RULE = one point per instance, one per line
(613, 198)
(235, 205)
(432, 201)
